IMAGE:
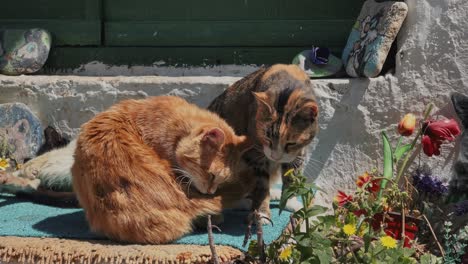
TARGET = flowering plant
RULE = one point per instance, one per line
(378, 221)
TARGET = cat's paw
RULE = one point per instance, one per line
(32, 168)
(265, 218)
(3, 177)
(33, 185)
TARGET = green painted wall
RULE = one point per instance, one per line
(183, 31)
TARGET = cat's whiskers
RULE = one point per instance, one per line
(188, 187)
(183, 176)
(182, 179)
(316, 161)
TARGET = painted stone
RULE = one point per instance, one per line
(20, 132)
(372, 36)
(304, 62)
(23, 51)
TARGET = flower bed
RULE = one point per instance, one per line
(387, 218)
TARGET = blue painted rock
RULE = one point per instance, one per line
(20, 132)
(372, 36)
(23, 51)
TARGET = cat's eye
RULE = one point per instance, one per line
(212, 177)
(269, 142)
(289, 145)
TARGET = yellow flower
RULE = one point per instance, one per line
(4, 163)
(286, 253)
(388, 242)
(349, 229)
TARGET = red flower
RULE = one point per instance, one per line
(342, 198)
(360, 212)
(372, 185)
(430, 146)
(437, 131)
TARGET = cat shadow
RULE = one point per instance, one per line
(9, 200)
(29, 198)
(74, 225)
(345, 123)
(70, 225)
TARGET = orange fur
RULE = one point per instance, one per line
(124, 173)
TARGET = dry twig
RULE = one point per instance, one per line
(260, 242)
(434, 235)
(214, 255)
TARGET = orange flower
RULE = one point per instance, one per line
(407, 125)
(372, 185)
(342, 198)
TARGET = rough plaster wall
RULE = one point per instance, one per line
(66, 102)
(431, 63)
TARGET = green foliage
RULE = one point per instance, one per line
(454, 244)
(342, 237)
(357, 230)
(400, 151)
(388, 163)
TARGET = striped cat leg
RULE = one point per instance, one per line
(261, 196)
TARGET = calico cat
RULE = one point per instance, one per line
(144, 170)
(277, 110)
(459, 182)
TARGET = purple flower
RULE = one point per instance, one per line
(461, 208)
(423, 181)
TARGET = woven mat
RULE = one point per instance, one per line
(55, 250)
(33, 233)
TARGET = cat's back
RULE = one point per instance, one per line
(277, 77)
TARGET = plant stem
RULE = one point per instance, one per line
(214, 256)
(434, 235)
(403, 224)
(415, 140)
(304, 201)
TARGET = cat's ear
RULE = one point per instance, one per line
(309, 111)
(460, 103)
(244, 144)
(264, 110)
(213, 138)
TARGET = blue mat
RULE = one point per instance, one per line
(22, 218)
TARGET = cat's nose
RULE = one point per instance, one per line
(212, 190)
(275, 155)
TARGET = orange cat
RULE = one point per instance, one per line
(135, 164)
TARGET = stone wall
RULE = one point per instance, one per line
(432, 62)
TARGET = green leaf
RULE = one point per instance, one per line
(315, 210)
(400, 151)
(285, 196)
(326, 220)
(388, 163)
(325, 256)
(306, 242)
